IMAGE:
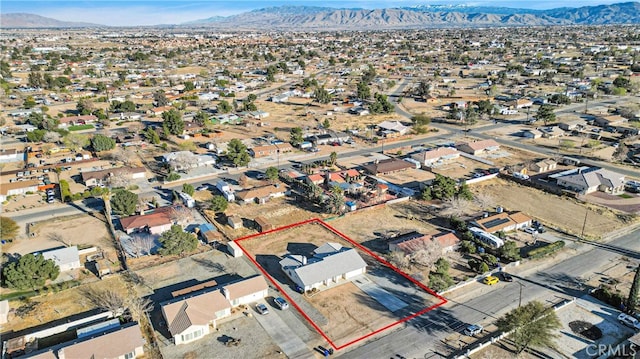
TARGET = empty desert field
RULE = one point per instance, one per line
(562, 212)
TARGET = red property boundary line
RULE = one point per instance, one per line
(362, 248)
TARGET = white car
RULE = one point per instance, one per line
(473, 330)
(629, 321)
(530, 230)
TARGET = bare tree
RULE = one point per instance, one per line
(181, 215)
(51, 137)
(457, 207)
(425, 252)
(122, 179)
(400, 260)
(106, 299)
(183, 160)
(123, 155)
(484, 200)
(141, 245)
(138, 307)
(57, 237)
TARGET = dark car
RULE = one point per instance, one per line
(506, 277)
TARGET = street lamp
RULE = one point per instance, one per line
(520, 298)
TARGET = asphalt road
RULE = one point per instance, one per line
(549, 282)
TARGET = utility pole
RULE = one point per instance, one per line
(520, 298)
(584, 224)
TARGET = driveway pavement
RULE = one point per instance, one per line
(376, 292)
(283, 336)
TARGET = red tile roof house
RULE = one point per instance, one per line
(261, 194)
(157, 222)
(414, 241)
(263, 151)
(479, 147)
(189, 318)
(77, 120)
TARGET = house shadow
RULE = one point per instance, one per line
(11, 334)
(271, 264)
(305, 249)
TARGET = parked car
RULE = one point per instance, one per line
(629, 321)
(473, 329)
(261, 176)
(262, 309)
(281, 303)
(202, 188)
(506, 277)
(530, 230)
(490, 280)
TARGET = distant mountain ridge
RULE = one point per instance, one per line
(24, 20)
(419, 16)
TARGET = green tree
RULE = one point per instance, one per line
(442, 188)
(152, 136)
(224, 107)
(188, 189)
(160, 99)
(464, 192)
(218, 204)
(172, 177)
(439, 279)
(172, 122)
(363, 91)
(65, 191)
(632, 300)
(421, 120)
(177, 242)
(189, 86)
(35, 119)
(271, 173)
(200, 118)
(36, 135)
(509, 251)
(532, 325)
(381, 105)
(237, 153)
(326, 123)
(252, 97)
(321, 95)
(124, 202)
(29, 102)
(296, 137)
(546, 114)
(102, 143)
(333, 158)
(8, 228)
(85, 106)
(30, 272)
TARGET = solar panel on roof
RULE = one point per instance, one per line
(496, 222)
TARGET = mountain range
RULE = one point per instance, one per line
(422, 16)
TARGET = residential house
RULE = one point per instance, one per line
(479, 147)
(503, 221)
(585, 180)
(387, 166)
(330, 264)
(67, 258)
(571, 125)
(11, 155)
(552, 132)
(532, 133)
(610, 120)
(18, 188)
(438, 155)
(544, 166)
(182, 160)
(263, 151)
(156, 222)
(259, 115)
(209, 233)
(76, 120)
(191, 317)
(158, 111)
(415, 241)
(392, 129)
(102, 344)
(102, 177)
(521, 103)
(284, 147)
(261, 194)
(226, 190)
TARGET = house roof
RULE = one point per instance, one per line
(159, 217)
(61, 256)
(436, 153)
(388, 165)
(594, 177)
(245, 287)
(520, 217)
(103, 174)
(395, 126)
(199, 309)
(259, 192)
(261, 221)
(8, 151)
(102, 346)
(266, 148)
(6, 187)
(78, 118)
(481, 145)
(331, 265)
(496, 222)
(446, 239)
(316, 177)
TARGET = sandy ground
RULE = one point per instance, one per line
(59, 305)
(562, 212)
(73, 231)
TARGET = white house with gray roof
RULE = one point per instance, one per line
(66, 258)
(587, 180)
(330, 264)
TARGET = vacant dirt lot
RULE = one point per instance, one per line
(351, 313)
(562, 212)
(53, 306)
(281, 242)
(80, 230)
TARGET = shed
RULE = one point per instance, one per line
(234, 249)
(262, 224)
(234, 221)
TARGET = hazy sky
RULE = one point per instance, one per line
(153, 12)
